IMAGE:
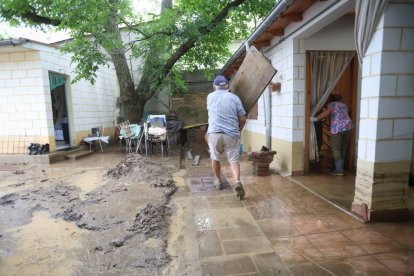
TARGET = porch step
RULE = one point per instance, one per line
(78, 154)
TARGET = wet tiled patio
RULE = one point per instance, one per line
(280, 229)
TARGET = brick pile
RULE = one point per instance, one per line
(261, 161)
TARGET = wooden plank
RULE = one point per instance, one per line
(252, 78)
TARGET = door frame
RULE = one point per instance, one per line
(354, 64)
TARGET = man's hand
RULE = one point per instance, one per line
(313, 119)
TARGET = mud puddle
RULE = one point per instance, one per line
(94, 217)
(45, 244)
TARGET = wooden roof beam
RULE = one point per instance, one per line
(262, 43)
(276, 32)
(293, 17)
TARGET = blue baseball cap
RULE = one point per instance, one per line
(220, 80)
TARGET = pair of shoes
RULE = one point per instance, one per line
(44, 149)
(238, 187)
(218, 184)
(336, 173)
(34, 149)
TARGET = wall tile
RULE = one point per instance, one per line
(391, 40)
(403, 128)
(397, 150)
(407, 40)
(397, 63)
(373, 108)
(399, 15)
(405, 85)
(370, 150)
(383, 129)
(396, 107)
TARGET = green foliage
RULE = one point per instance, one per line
(93, 27)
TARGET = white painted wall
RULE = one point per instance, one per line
(387, 114)
(289, 58)
(25, 105)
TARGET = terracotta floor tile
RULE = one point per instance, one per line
(287, 254)
(365, 265)
(270, 207)
(227, 265)
(222, 218)
(208, 243)
(276, 228)
(240, 233)
(270, 264)
(402, 233)
(295, 231)
(343, 221)
(372, 241)
(312, 225)
(301, 246)
(307, 268)
(249, 245)
(334, 244)
(399, 262)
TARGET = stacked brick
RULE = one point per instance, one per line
(261, 161)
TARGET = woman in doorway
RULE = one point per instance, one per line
(341, 127)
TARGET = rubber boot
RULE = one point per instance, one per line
(339, 167)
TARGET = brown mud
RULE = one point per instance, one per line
(109, 213)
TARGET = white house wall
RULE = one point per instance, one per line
(387, 117)
(324, 28)
(25, 106)
(90, 105)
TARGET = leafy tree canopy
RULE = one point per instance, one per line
(193, 34)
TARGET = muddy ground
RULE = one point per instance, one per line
(108, 213)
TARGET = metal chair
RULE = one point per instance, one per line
(156, 133)
(136, 135)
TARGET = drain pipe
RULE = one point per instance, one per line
(268, 118)
(281, 7)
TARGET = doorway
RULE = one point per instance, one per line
(59, 110)
(347, 87)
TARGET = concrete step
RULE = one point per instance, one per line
(78, 154)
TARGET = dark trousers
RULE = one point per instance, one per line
(340, 143)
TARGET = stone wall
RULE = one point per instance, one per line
(191, 106)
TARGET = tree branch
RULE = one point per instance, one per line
(186, 46)
(34, 17)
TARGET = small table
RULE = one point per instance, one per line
(91, 140)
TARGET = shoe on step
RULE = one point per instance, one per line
(238, 187)
(218, 184)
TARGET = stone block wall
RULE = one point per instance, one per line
(25, 106)
(387, 120)
(191, 108)
(287, 108)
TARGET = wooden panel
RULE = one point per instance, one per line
(250, 81)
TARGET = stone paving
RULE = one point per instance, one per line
(279, 229)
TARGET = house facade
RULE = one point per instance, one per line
(378, 89)
(39, 104)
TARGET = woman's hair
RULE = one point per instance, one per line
(334, 97)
